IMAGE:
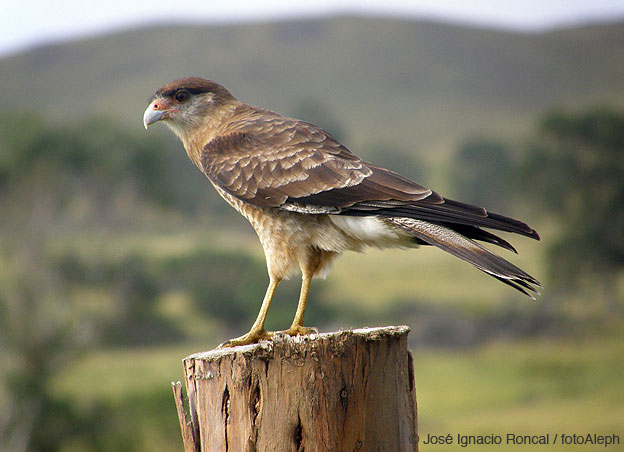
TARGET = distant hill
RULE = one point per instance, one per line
(412, 87)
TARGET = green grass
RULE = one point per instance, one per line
(530, 387)
(132, 386)
(525, 387)
(114, 374)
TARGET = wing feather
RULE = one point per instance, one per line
(272, 161)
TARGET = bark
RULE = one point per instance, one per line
(334, 392)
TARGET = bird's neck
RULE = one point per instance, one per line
(196, 138)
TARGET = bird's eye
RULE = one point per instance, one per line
(181, 96)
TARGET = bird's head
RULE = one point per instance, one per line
(186, 104)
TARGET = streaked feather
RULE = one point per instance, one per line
(469, 251)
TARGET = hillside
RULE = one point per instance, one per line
(414, 88)
(118, 258)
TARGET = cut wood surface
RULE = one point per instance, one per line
(332, 392)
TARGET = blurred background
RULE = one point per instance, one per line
(118, 259)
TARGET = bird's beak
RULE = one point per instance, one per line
(154, 113)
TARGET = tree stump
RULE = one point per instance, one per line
(334, 392)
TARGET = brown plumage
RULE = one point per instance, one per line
(310, 199)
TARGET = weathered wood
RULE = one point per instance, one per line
(334, 392)
(189, 433)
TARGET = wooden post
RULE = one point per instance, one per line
(349, 391)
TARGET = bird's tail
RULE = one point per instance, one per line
(464, 248)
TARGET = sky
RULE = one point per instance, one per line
(29, 23)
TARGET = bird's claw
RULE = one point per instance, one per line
(258, 335)
(250, 338)
(300, 330)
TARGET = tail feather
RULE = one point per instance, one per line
(476, 233)
(470, 251)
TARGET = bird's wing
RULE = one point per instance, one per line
(272, 161)
(280, 162)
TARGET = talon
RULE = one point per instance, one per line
(250, 338)
(300, 331)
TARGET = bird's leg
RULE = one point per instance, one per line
(297, 324)
(257, 331)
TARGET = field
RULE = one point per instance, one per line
(527, 387)
(532, 387)
(117, 258)
(561, 384)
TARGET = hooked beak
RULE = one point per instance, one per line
(154, 113)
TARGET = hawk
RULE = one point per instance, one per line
(310, 199)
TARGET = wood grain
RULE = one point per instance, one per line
(336, 392)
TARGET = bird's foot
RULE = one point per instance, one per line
(300, 330)
(250, 338)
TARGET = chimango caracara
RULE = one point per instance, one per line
(310, 199)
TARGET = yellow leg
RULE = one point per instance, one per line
(257, 331)
(297, 324)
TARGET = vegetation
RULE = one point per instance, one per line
(578, 166)
(117, 258)
(485, 174)
(420, 86)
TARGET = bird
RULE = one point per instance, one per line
(310, 199)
